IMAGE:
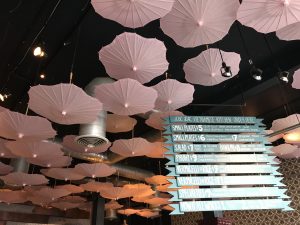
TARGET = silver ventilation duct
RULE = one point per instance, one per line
(111, 214)
(93, 134)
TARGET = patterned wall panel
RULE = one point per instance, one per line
(291, 172)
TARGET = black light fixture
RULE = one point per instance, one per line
(256, 73)
(284, 76)
(225, 70)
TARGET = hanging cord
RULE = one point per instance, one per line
(244, 44)
(221, 55)
(38, 34)
(274, 59)
(74, 54)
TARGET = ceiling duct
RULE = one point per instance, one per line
(111, 214)
(94, 134)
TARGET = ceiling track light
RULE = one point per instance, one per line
(225, 70)
(284, 76)
(38, 51)
(256, 73)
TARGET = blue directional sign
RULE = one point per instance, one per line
(213, 120)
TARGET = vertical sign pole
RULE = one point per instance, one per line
(97, 217)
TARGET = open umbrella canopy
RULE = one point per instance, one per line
(50, 194)
(69, 142)
(282, 123)
(113, 205)
(5, 169)
(4, 151)
(127, 212)
(205, 68)
(157, 201)
(16, 126)
(116, 193)
(135, 57)
(64, 104)
(157, 180)
(197, 22)
(131, 147)
(156, 119)
(147, 213)
(133, 14)
(94, 186)
(94, 170)
(117, 123)
(13, 197)
(24, 179)
(290, 32)
(157, 151)
(34, 149)
(296, 80)
(139, 190)
(284, 149)
(267, 16)
(173, 95)
(51, 162)
(62, 174)
(65, 205)
(120, 97)
(73, 189)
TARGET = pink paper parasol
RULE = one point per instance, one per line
(139, 190)
(135, 57)
(127, 212)
(62, 174)
(142, 199)
(131, 147)
(86, 207)
(51, 162)
(4, 151)
(13, 197)
(70, 188)
(147, 213)
(96, 186)
(205, 68)
(116, 193)
(73, 199)
(120, 97)
(296, 80)
(274, 138)
(113, 205)
(50, 193)
(290, 32)
(65, 205)
(285, 122)
(157, 151)
(158, 201)
(156, 119)
(133, 13)
(197, 22)
(157, 180)
(34, 149)
(24, 179)
(173, 95)
(94, 170)
(5, 169)
(117, 123)
(64, 104)
(267, 16)
(168, 208)
(292, 155)
(17, 126)
(70, 144)
(284, 149)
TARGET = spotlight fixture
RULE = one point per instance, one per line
(284, 76)
(256, 73)
(42, 76)
(38, 52)
(226, 70)
(3, 97)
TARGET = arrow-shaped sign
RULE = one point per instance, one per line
(225, 205)
(213, 120)
(220, 158)
(226, 180)
(215, 138)
(213, 129)
(254, 192)
(179, 148)
(223, 169)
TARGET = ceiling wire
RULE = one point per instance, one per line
(75, 54)
(38, 34)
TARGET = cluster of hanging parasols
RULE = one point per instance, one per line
(133, 61)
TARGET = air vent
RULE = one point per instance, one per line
(91, 141)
